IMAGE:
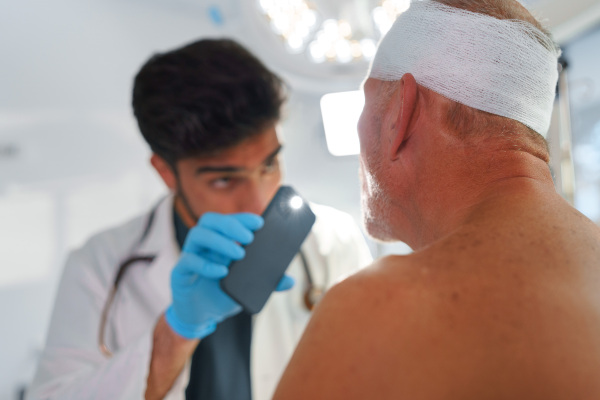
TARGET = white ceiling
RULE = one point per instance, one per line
(567, 19)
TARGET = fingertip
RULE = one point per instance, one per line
(250, 221)
(241, 253)
(286, 283)
(215, 271)
(247, 239)
(237, 252)
(260, 222)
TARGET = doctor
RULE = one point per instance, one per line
(139, 311)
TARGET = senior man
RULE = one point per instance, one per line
(500, 299)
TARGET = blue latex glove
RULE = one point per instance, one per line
(199, 303)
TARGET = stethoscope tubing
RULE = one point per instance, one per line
(123, 267)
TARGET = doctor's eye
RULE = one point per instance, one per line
(223, 182)
(271, 165)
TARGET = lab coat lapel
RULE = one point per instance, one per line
(145, 292)
(162, 243)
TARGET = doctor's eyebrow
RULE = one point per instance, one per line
(274, 154)
(232, 168)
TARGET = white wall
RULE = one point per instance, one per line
(71, 160)
(583, 56)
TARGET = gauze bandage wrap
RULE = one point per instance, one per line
(504, 67)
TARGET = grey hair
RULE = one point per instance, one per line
(468, 122)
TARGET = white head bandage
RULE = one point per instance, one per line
(504, 67)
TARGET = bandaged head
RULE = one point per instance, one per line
(503, 67)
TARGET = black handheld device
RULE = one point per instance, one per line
(251, 280)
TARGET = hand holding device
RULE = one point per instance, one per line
(287, 221)
(199, 304)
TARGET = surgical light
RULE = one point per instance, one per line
(293, 20)
(295, 43)
(343, 51)
(385, 15)
(368, 48)
(317, 51)
(304, 27)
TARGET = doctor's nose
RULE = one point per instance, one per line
(257, 197)
(255, 203)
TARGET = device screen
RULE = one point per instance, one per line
(251, 280)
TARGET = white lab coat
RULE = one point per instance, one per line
(71, 365)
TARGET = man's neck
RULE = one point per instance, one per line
(480, 185)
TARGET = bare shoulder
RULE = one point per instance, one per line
(464, 319)
(343, 353)
(367, 295)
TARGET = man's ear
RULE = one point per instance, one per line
(405, 99)
(165, 171)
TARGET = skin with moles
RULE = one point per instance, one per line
(499, 300)
(243, 178)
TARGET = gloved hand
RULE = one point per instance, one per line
(199, 303)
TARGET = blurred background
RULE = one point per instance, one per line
(72, 161)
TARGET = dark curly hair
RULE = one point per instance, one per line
(204, 97)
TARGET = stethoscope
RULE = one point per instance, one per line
(312, 294)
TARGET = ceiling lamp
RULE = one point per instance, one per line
(385, 14)
(293, 20)
(303, 27)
